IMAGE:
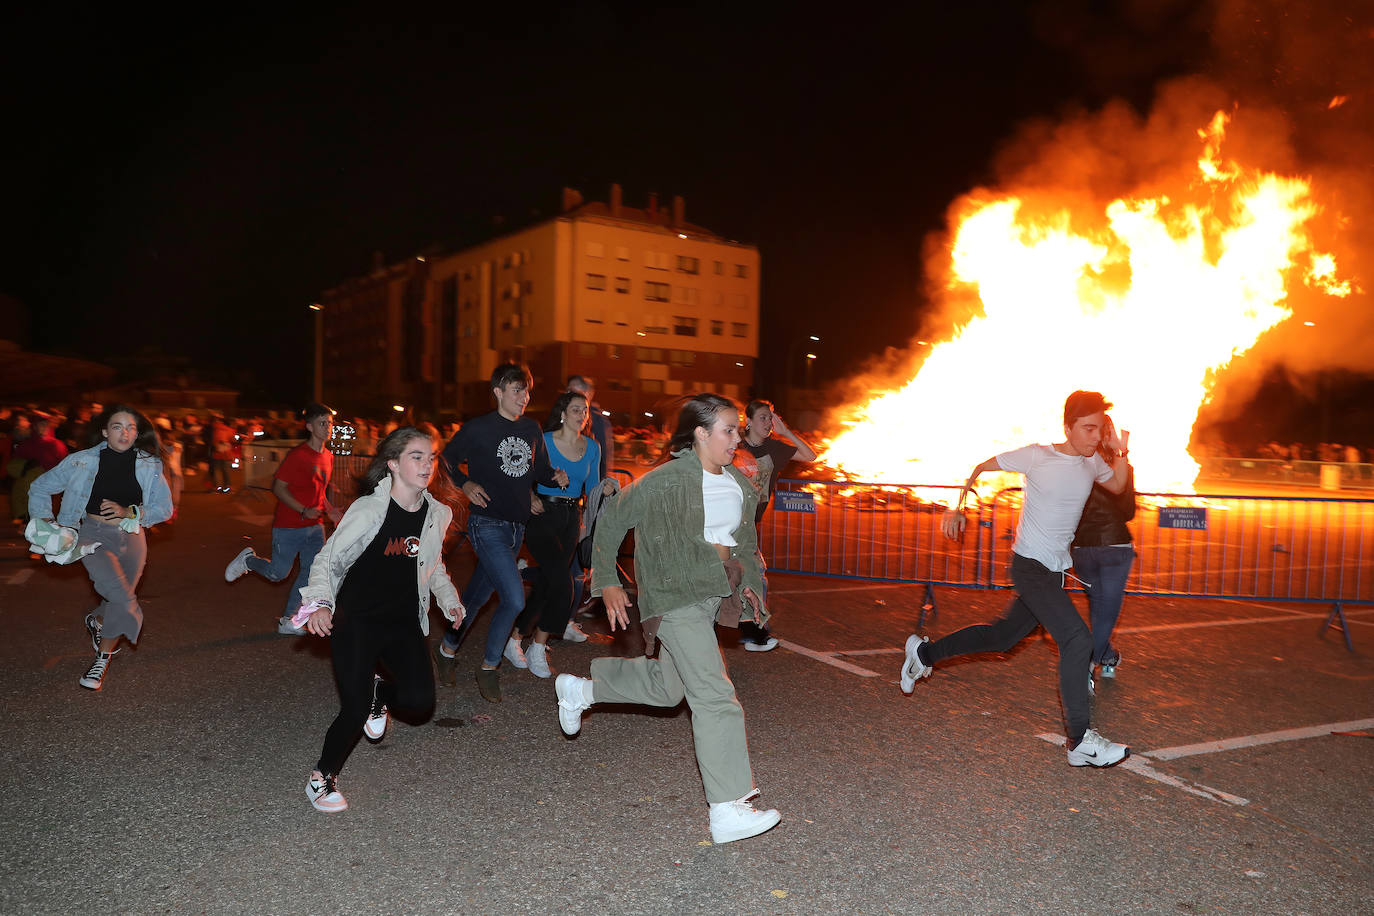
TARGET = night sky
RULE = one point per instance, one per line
(190, 184)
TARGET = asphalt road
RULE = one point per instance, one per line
(180, 786)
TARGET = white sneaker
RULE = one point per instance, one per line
(767, 645)
(286, 628)
(377, 717)
(572, 701)
(738, 820)
(515, 653)
(324, 794)
(238, 566)
(573, 633)
(538, 657)
(913, 669)
(1095, 750)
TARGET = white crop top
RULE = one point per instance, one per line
(724, 504)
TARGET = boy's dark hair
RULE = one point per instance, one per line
(510, 374)
(1083, 403)
(314, 410)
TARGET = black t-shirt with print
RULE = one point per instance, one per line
(507, 457)
(382, 581)
(769, 457)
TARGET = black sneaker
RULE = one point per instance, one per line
(489, 684)
(94, 678)
(445, 666)
(375, 726)
(93, 626)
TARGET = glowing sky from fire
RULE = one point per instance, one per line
(1143, 307)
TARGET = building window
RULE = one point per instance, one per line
(529, 287)
(651, 386)
(688, 265)
(649, 354)
(657, 260)
(622, 284)
(720, 268)
(613, 351)
(683, 357)
(596, 281)
(622, 253)
(717, 328)
(586, 349)
(742, 270)
(618, 384)
(684, 326)
(596, 249)
(739, 329)
(655, 328)
(655, 292)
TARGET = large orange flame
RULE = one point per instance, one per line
(1145, 307)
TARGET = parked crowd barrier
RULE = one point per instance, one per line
(1273, 548)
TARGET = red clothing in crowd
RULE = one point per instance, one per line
(306, 474)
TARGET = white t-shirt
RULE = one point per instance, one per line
(724, 504)
(1057, 486)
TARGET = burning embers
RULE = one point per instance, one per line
(1144, 300)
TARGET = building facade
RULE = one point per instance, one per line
(647, 305)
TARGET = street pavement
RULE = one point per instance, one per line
(180, 786)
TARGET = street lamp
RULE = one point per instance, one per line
(319, 351)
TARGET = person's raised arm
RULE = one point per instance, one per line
(1120, 446)
(953, 522)
(804, 451)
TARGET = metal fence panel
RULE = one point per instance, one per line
(1273, 547)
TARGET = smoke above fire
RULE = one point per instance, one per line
(1166, 259)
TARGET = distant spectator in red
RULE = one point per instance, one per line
(38, 453)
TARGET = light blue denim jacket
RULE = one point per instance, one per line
(75, 476)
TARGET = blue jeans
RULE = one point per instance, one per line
(287, 544)
(497, 544)
(1105, 570)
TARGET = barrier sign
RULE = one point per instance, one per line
(795, 502)
(1192, 517)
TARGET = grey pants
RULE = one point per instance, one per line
(690, 665)
(115, 570)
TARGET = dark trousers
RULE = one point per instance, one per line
(358, 644)
(1040, 599)
(552, 539)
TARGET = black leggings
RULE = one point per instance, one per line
(552, 539)
(358, 644)
(1040, 599)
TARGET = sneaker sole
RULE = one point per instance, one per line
(767, 824)
(89, 686)
(327, 807)
(367, 730)
(762, 646)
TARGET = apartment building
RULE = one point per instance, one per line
(648, 305)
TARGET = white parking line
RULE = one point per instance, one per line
(1290, 734)
(1140, 763)
(827, 658)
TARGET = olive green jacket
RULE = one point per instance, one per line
(674, 566)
